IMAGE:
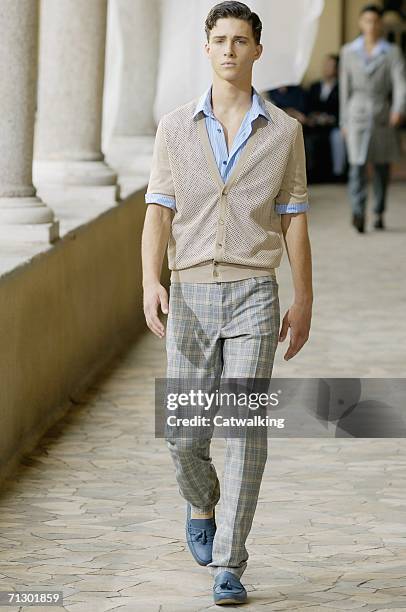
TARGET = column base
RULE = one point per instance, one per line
(78, 173)
(80, 196)
(27, 219)
(44, 232)
(87, 182)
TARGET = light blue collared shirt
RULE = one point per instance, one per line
(226, 160)
(358, 44)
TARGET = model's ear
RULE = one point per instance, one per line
(259, 50)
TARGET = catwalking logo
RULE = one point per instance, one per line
(221, 421)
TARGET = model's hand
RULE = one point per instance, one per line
(155, 296)
(298, 318)
(395, 119)
(344, 132)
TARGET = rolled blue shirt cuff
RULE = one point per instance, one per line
(282, 209)
(159, 198)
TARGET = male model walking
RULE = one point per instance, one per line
(372, 105)
(228, 179)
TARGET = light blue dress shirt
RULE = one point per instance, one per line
(226, 160)
(381, 46)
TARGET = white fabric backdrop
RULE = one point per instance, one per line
(289, 29)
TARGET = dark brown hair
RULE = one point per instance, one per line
(237, 10)
(372, 8)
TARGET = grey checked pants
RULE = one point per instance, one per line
(223, 329)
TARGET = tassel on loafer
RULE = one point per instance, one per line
(227, 589)
(199, 537)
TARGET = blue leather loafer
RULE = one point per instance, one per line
(227, 589)
(199, 537)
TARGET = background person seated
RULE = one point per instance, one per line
(317, 111)
(325, 142)
(293, 100)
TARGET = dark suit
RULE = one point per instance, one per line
(329, 105)
(293, 96)
(318, 137)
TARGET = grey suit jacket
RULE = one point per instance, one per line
(368, 93)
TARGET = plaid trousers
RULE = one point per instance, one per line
(225, 330)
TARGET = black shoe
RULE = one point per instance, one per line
(358, 222)
(379, 222)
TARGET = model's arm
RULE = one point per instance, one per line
(292, 204)
(160, 197)
(155, 236)
(344, 92)
(398, 76)
(298, 317)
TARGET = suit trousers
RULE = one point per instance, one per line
(357, 186)
(223, 330)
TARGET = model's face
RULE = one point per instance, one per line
(329, 68)
(232, 40)
(370, 24)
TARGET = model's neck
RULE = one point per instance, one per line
(370, 41)
(229, 96)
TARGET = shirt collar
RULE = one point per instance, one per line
(257, 106)
(381, 46)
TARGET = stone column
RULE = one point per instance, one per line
(132, 56)
(138, 22)
(69, 165)
(23, 216)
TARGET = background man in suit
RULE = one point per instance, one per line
(372, 105)
(324, 141)
(323, 94)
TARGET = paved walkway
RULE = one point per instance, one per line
(96, 512)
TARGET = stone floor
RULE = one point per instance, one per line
(95, 510)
